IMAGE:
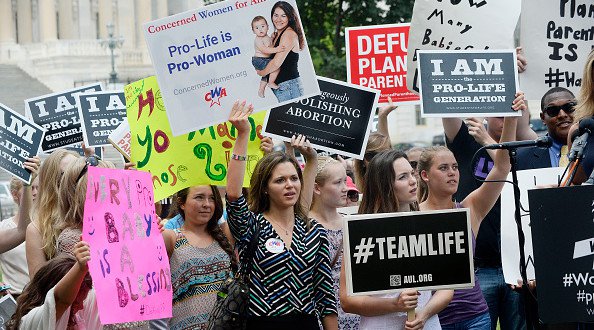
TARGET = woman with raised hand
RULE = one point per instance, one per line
(438, 170)
(391, 186)
(42, 232)
(56, 294)
(330, 193)
(290, 280)
(200, 255)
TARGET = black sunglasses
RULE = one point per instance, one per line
(92, 160)
(353, 196)
(553, 110)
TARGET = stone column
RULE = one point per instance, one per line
(105, 17)
(47, 21)
(161, 9)
(86, 24)
(6, 21)
(24, 24)
(143, 15)
(125, 24)
(67, 28)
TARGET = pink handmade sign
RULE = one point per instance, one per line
(129, 263)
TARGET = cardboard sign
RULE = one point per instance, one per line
(510, 251)
(7, 308)
(459, 25)
(563, 240)
(204, 64)
(338, 120)
(58, 114)
(178, 162)
(557, 38)
(101, 113)
(129, 264)
(468, 83)
(19, 139)
(120, 139)
(377, 58)
(391, 252)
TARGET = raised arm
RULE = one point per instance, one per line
(11, 238)
(451, 127)
(382, 118)
(67, 289)
(309, 172)
(483, 198)
(288, 41)
(236, 170)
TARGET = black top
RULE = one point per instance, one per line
(288, 70)
(488, 246)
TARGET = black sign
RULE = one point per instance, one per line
(467, 83)
(395, 251)
(19, 139)
(338, 120)
(563, 244)
(58, 114)
(101, 113)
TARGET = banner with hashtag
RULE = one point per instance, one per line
(390, 252)
(562, 223)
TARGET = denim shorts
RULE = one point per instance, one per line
(260, 62)
(288, 90)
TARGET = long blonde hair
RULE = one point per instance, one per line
(73, 192)
(585, 106)
(46, 211)
(375, 143)
(424, 164)
(322, 172)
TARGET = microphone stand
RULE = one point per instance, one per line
(521, 240)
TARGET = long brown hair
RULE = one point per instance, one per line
(378, 191)
(585, 106)
(424, 164)
(293, 20)
(376, 142)
(44, 280)
(212, 227)
(258, 200)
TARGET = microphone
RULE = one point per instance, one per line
(541, 142)
(577, 148)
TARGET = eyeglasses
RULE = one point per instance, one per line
(92, 160)
(553, 110)
(353, 196)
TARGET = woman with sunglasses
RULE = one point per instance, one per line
(438, 170)
(42, 232)
(391, 186)
(330, 193)
(290, 282)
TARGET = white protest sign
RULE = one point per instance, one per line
(207, 58)
(459, 25)
(557, 36)
(510, 251)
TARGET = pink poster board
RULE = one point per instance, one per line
(129, 263)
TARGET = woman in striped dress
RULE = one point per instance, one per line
(290, 278)
(200, 257)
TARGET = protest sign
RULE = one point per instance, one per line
(177, 162)
(377, 58)
(204, 64)
(459, 25)
(467, 83)
(7, 308)
(562, 231)
(557, 37)
(129, 263)
(100, 113)
(120, 139)
(19, 139)
(338, 120)
(58, 114)
(510, 250)
(395, 251)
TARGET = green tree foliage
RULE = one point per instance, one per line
(324, 23)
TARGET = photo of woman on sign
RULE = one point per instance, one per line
(289, 36)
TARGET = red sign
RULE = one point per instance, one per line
(377, 58)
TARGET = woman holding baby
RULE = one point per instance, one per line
(288, 35)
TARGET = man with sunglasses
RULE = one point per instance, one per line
(557, 107)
